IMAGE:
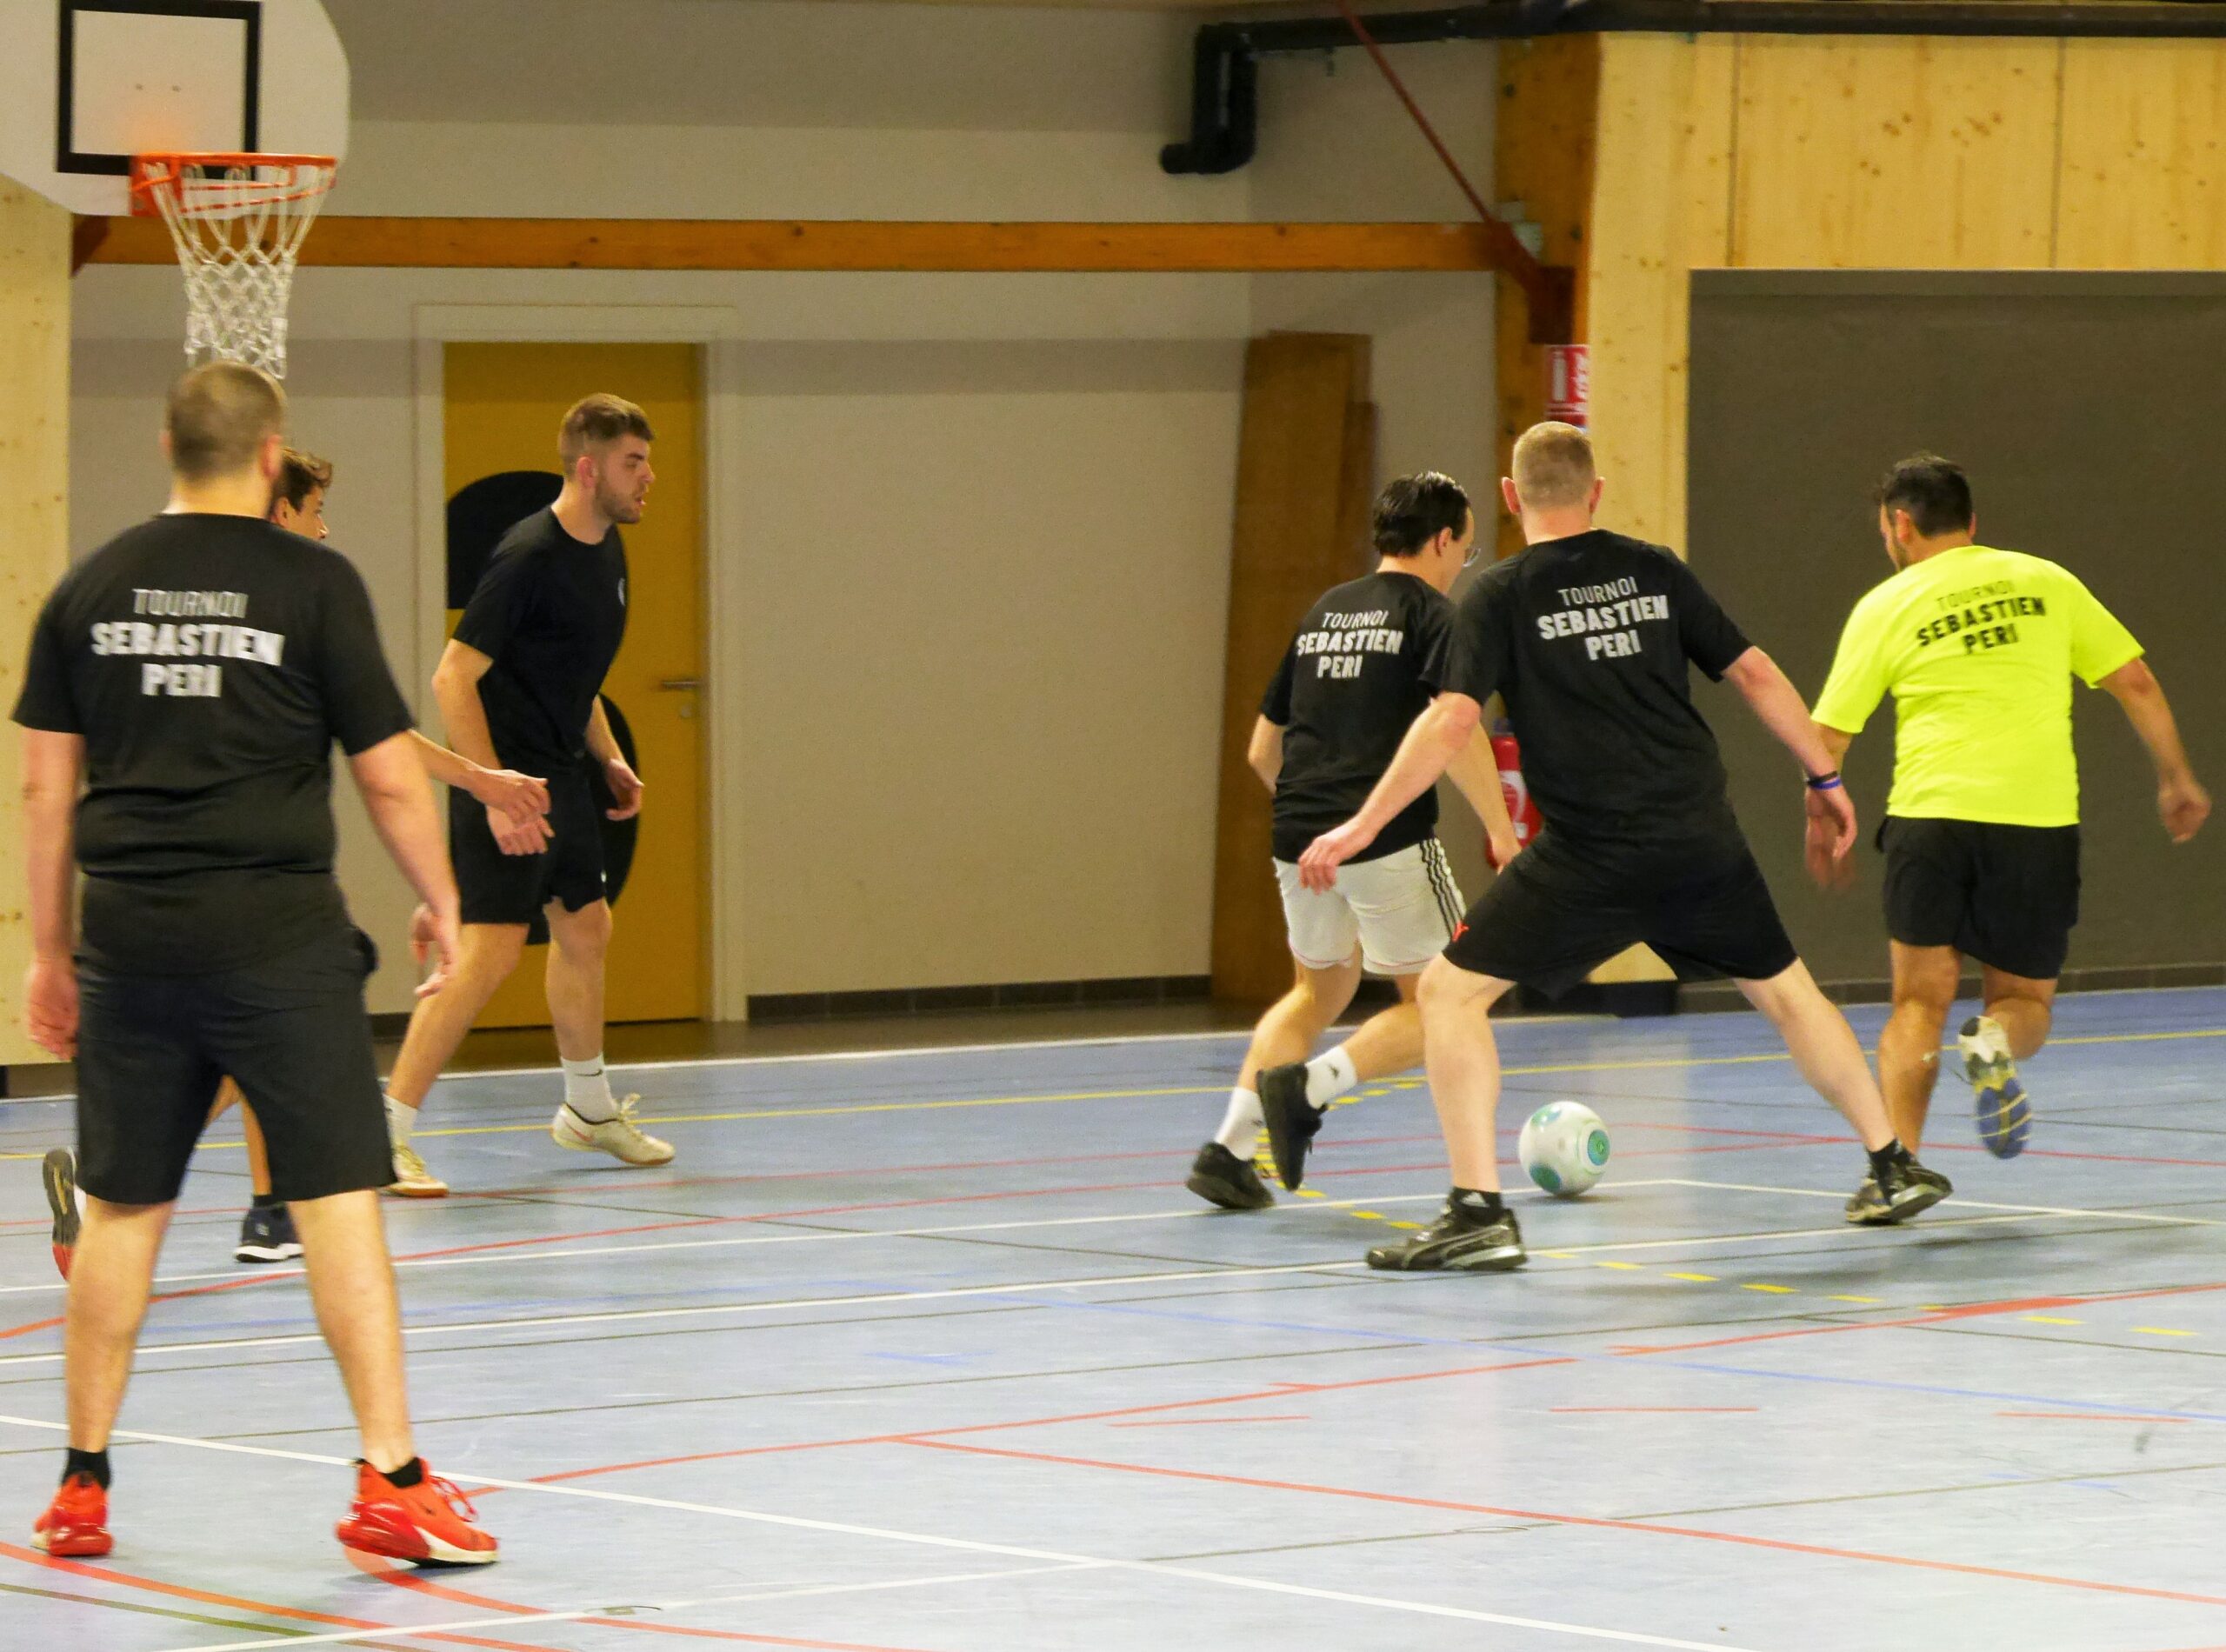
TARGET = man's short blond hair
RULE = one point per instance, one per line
(219, 416)
(596, 421)
(1553, 467)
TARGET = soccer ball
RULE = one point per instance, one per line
(1564, 1147)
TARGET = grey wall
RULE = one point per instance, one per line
(2089, 411)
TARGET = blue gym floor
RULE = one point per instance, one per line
(931, 1351)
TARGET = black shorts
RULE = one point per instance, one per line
(513, 888)
(1561, 910)
(2007, 895)
(291, 1029)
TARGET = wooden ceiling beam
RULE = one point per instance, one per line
(815, 245)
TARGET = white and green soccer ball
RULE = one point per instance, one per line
(1564, 1147)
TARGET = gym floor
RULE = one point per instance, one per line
(931, 1351)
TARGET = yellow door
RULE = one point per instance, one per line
(502, 405)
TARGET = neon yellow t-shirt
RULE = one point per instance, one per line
(1978, 648)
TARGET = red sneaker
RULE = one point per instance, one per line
(62, 1200)
(76, 1523)
(430, 1522)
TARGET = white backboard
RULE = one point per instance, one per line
(85, 84)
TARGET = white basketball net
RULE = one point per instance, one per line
(237, 222)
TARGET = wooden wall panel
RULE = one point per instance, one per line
(1544, 146)
(1662, 206)
(1304, 470)
(2144, 155)
(1894, 152)
(34, 528)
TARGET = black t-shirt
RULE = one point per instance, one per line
(551, 611)
(208, 662)
(1350, 686)
(1587, 640)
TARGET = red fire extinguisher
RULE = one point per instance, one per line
(1521, 811)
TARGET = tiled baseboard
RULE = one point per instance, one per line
(1018, 994)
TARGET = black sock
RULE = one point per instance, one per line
(1893, 1155)
(91, 1465)
(267, 1201)
(1478, 1204)
(411, 1473)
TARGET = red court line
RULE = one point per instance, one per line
(1601, 1522)
(417, 1583)
(240, 1603)
(1975, 1310)
(1280, 1391)
(1797, 1137)
(2089, 1416)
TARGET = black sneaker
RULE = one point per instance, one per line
(61, 1177)
(267, 1234)
(1292, 1121)
(1907, 1189)
(1218, 1176)
(1457, 1241)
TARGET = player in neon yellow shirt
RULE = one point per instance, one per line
(1978, 648)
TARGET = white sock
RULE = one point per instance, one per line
(1241, 1125)
(587, 1090)
(1329, 1076)
(401, 1119)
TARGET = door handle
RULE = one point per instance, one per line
(680, 684)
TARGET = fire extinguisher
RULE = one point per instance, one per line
(1521, 811)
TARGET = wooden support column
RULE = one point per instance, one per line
(35, 236)
(1304, 466)
(1548, 102)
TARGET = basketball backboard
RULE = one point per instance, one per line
(85, 84)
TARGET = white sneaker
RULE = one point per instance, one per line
(620, 1137)
(411, 1179)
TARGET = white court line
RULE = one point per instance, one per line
(514, 1620)
(1976, 1204)
(1096, 1041)
(630, 1315)
(525, 1253)
(845, 1528)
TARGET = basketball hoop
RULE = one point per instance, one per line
(237, 222)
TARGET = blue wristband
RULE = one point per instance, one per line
(1825, 783)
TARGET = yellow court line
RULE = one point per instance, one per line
(2049, 1319)
(1666, 1064)
(2159, 1330)
(1775, 1290)
(1697, 1279)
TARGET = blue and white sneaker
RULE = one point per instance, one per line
(2005, 1114)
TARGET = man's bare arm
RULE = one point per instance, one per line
(392, 781)
(1436, 739)
(54, 767)
(1265, 754)
(1778, 704)
(2182, 803)
(456, 687)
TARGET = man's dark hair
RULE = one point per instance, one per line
(596, 420)
(1934, 491)
(299, 476)
(1413, 511)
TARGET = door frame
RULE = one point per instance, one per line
(715, 330)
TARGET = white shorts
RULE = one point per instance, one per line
(1400, 908)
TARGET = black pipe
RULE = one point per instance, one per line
(1224, 105)
(1224, 88)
